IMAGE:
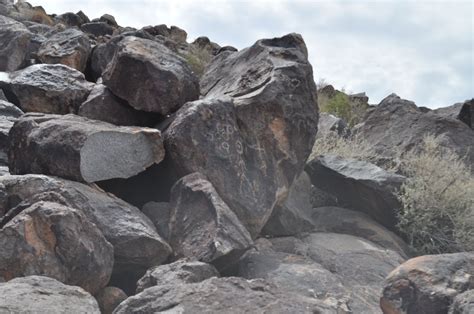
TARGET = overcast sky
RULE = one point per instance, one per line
(421, 50)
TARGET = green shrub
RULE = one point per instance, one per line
(337, 105)
(438, 200)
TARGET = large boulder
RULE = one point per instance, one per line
(34, 293)
(254, 129)
(331, 125)
(358, 185)
(97, 29)
(396, 126)
(70, 47)
(221, 295)
(109, 298)
(428, 284)
(80, 149)
(461, 111)
(150, 77)
(47, 88)
(56, 241)
(14, 41)
(8, 115)
(136, 244)
(177, 273)
(202, 226)
(463, 303)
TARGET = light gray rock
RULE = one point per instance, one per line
(14, 41)
(80, 149)
(463, 303)
(29, 294)
(159, 214)
(329, 124)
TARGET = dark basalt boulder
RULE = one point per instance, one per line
(427, 284)
(461, 111)
(137, 245)
(47, 88)
(56, 241)
(9, 113)
(202, 226)
(174, 33)
(28, 294)
(177, 273)
(159, 214)
(331, 125)
(254, 129)
(358, 185)
(150, 77)
(14, 41)
(72, 19)
(109, 19)
(70, 47)
(97, 28)
(80, 149)
(109, 298)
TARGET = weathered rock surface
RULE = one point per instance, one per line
(136, 244)
(109, 298)
(73, 19)
(254, 129)
(97, 28)
(56, 241)
(358, 185)
(294, 216)
(397, 125)
(461, 111)
(329, 124)
(104, 106)
(463, 303)
(70, 47)
(177, 273)
(428, 284)
(29, 294)
(8, 115)
(48, 88)
(159, 214)
(14, 41)
(80, 149)
(150, 77)
(202, 226)
(219, 295)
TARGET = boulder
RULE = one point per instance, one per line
(47, 88)
(29, 294)
(72, 19)
(97, 28)
(397, 126)
(70, 47)
(109, 298)
(346, 221)
(461, 111)
(180, 272)
(463, 303)
(428, 284)
(329, 124)
(109, 19)
(358, 185)
(8, 115)
(150, 77)
(104, 106)
(136, 244)
(56, 241)
(221, 295)
(174, 33)
(202, 226)
(253, 130)
(159, 214)
(294, 216)
(14, 41)
(80, 149)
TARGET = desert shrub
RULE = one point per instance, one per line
(438, 200)
(337, 105)
(197, 59)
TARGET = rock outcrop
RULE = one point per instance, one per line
(9, 113)
(14, 41)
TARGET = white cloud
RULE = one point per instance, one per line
(422, 50)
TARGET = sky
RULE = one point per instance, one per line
(421, 50)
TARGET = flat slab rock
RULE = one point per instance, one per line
(28, 294)
(254, 128)
(80, 149)
(47, 88)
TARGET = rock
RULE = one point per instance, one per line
(56, 241)
(358, 185)
(109, 298)
(72, 19)
(80, 149)
(204, 43)
(109, 19)
(221, 295)
(159, 214)
(294, 216)
(136, 244)
(202, 226)
(329, 124)
(24, 12)
(396, 116)
(428, 284)
(320, 198)
(150, 77)
(174, 33)
(254, 129)
(47, 88)
(104, 106)
(3, 171)
(97, 28)
(463, 303)
(8, 115)
(14, 41)
(346, 221)
(70, 47)
(28, 294)
(461, 111)
(177, 273)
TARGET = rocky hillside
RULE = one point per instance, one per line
(140, 173)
